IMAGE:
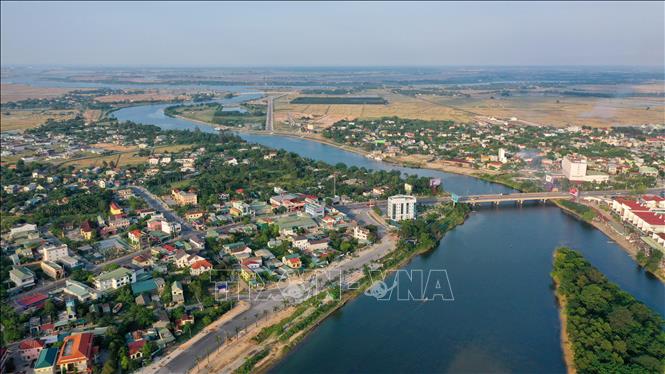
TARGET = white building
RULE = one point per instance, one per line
(315, 210)
(575, 169)
(115, 279)
(401, 207)
(22, 276)
(360, 233)
(55, 253)
(502, 156)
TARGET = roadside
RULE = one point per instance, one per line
(603, 222)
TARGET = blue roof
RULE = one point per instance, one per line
(144, 286)
(46, 358)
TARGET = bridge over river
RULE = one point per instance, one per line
(518, 197)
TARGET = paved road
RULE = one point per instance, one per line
(182, 360)
(509, 197)
(157, 204)
(270, 114)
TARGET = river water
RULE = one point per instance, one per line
(504, 315)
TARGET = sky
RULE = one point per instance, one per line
(332, 34)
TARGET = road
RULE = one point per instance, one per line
(509, 197)
(157, 204)
(270, 114)
(182, 359)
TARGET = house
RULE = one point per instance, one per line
(52, 269)
(142, 299)
(143, 261)
(246, 273)
(177, 293)
(29, 349)
(115, 209)
(241, 208)
(200, 267)
(134, 237)
(115, 279)
(264, 254)
(77, 354)
(22, 276)
(184, 198)
(317, 244)
(300, 242)
(185, 320)
(292, 261)
(183, 259)
(360, 233)
(22, 231)
(197, 242)
(194, 215)
(87, 231)
(80, 291)
(148, 286)
(135, 349)
(45, 363)
(238, 250)
(118, 222)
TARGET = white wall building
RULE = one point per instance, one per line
(401, 207)
(55, 253)
(575, 169)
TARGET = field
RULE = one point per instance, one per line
(339, 100)
(16, 92)
(533, 107)
(141, 97)
(25, 119)
(128, 157)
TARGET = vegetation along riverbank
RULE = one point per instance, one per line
(606, 329)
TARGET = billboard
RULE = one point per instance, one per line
(435, 182)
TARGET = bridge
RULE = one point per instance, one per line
(519, 197)
(515, 197)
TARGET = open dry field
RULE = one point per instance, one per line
(127, 157)
(16, 92)
(558, 111)
(141, 97)
(26, 119)
(398, 105)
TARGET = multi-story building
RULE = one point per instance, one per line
(52, 269)
(115, 279)
(22, 276)
(77, 354)
(54, 253)
(401, 207)
(575, 169)
(184, 197)
(177, 293)
(315, 210)
(360, 233)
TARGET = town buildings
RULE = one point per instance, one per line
(401, 207)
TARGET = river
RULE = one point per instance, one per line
(504, 315)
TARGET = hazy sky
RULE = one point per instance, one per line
(327, 34)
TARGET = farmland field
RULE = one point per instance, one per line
(339, 100)
(533, 107)
(26, 119)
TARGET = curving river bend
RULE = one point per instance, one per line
(504, 316)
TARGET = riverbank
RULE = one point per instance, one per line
(566, 344)
(396, 161)
(392, 261)
(603, 226)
